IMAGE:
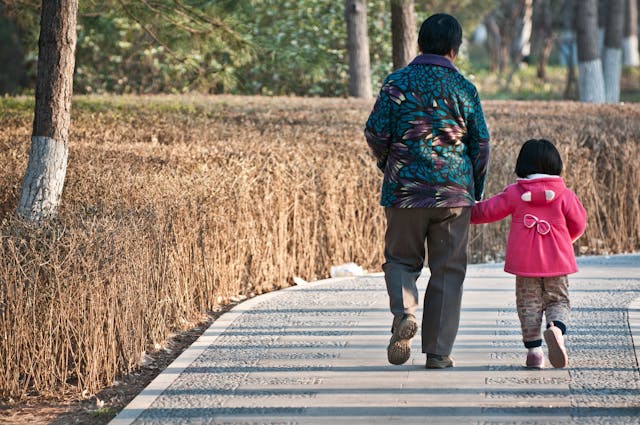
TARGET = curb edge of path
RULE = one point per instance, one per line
(151, 392)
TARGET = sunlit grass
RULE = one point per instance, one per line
(524, 84)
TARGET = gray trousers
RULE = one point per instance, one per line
(446, 231)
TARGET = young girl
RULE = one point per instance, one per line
(546, 218)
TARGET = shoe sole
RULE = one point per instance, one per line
(407, 329)
(399, 349)
(557, 353)
(433, 364)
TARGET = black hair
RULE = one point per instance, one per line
(538, 156)
(439, 34)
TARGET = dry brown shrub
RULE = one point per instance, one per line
(599, 145)
(173, 205)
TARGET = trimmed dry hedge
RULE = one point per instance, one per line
(173, 205)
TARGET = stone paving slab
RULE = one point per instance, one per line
(316, 354)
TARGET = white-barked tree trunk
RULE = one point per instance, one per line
(590, 77)
(630, 54)
(612, 54)
(43, 180)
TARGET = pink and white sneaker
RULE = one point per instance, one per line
(555, 343)
(535, 358)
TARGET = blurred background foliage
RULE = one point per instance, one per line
(270, 47)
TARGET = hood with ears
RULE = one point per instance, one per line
(541, 190)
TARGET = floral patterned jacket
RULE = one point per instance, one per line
(428, 134)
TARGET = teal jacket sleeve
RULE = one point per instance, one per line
(378, 130)
(478, 142)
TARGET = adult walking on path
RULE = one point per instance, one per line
(428, 134)
(311, 355)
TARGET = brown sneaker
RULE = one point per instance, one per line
(555, 343)
(399, 348)
(436, 361)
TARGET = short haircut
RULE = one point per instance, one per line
(538, 156)
(439, 34)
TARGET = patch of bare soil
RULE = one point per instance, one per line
(99, 409)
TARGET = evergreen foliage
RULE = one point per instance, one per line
(269, 47)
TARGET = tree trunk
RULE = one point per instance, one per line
(612, 55)
(506, 14)
(403, 32)
(44, 178)
(544, 35)
(358, 47)
(494, 42)
(521, 47)
(590, 78)
(568, 49)
(602, 22)
(630, 55)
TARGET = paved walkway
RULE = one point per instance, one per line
(316, 354)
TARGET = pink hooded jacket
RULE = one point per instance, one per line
(546, 218)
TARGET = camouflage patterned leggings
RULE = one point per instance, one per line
(537, 295)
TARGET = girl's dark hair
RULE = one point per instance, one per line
(538, 156)
(439, 34)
